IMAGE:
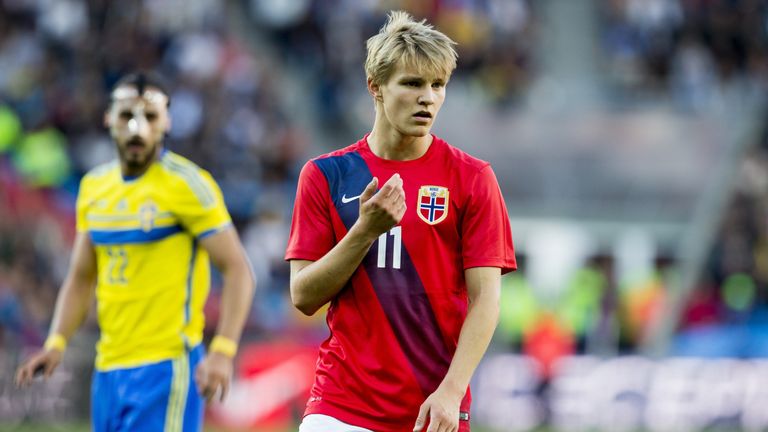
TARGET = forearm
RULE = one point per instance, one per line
(72, 307)
(236, 298)
(476, 334)
(317, 283)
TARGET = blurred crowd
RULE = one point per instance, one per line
(326, 39)
(693, 52)
(59, 58)
(727, 313)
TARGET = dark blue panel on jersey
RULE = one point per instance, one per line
(347, 176)
(402, 295)
(133, 236)
(400, 291)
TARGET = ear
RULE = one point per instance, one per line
(107, 122)
(375, 90)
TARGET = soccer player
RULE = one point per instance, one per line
(148, 225)
(412, 268)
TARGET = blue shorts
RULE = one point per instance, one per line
(157, 397)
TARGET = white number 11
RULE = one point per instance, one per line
(397, 234)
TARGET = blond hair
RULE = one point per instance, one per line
(415, 44)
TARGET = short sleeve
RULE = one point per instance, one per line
(486, 236)
(81, 206)
(199, 205)
(311, 228)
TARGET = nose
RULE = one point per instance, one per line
(426, 98)
(137, 125)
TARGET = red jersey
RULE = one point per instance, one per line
(394, 327)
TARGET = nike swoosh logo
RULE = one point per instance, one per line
(345, 200)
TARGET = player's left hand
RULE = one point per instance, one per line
(442, 409)
(213, 375)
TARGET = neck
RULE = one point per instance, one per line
(388, 143)
(132, 170)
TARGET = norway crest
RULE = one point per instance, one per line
(433, 204)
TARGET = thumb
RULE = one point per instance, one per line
(369, 190)
(422, 417)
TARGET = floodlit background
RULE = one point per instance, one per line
(628, 137)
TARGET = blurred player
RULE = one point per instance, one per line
(411, 269)
(146, 227)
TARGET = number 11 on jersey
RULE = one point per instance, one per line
(397, 244)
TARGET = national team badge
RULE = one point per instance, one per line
(433, 204)
(147, 214)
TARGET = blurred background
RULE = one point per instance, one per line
(629, 138)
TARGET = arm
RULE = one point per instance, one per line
(72, 306)
(314, 283)
(442, 406)
(227, 254)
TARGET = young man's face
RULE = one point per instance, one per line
(411, 100)
(137, 123)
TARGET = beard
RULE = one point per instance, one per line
(136, 154)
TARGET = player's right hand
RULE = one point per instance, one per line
(42, 362)
(380, 211)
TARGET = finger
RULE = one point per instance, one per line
(399, 213)
(423, 411)
(21, 376)
(435, 422)
(392, 185)
(398, 196)
(386, 188)
(208, 392)
(200, 378)
(215, 385)
(370, 189)
(397, 193)
(27, 372)
(48, 367)
(203, 381)
(385, 192)
(397, 182)
(224, 389)
(211, 393)
(394, 179)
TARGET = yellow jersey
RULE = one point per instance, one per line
(153, 276)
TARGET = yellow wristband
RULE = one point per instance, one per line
(56, 341)
(224, 345)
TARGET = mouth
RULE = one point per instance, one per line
(135, 144)
(423, 116)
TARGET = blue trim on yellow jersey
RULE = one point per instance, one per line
(205, 234)
(103, 237)
(189, 281)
